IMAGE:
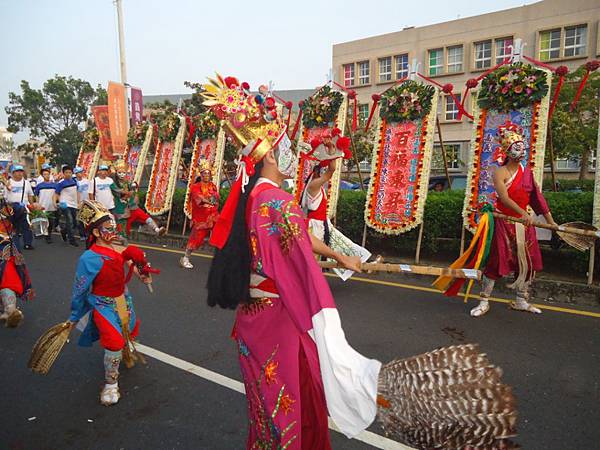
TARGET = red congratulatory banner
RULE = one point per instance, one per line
(102, 124)
(118, 117)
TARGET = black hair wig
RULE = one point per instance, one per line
(229, 276)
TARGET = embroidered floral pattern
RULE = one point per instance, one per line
(243, 349)
(271, 372)
(256, 305)
(81, 285)
(287, 230)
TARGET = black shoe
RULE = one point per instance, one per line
(64, 236)
(28, 247)
(48, 240)
(74, 243)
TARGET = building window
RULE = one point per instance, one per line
(401, 66)
(436, 61)
(349, 74)
(364, 72)
(385, 69)
(455, 59)
(576, 41)
(451, 108)
(549, 45)
(483, 54)
(567, 164)
(503, 49)
(363, 114)
(452, 156)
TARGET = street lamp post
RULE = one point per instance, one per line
(119, 6)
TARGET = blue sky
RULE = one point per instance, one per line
(170, 41)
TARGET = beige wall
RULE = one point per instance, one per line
(523, 22)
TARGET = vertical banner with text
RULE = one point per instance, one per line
(102, 124)
(118, 117)
(137, 105)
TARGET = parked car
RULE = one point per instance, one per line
(349, 186)
(440, 183)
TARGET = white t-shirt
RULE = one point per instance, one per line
(100, 191)
(19, 191)
(45, 196)
(67, 192)
(83, 187)
(40, 179)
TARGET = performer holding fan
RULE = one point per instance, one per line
(514, 246)
(296, 363)
(326, 152)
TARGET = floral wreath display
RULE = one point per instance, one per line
(209, 147)
(139, 139)
(321, 113)
(89, 153)
(171, 134)
(517, 94)
(401, 160)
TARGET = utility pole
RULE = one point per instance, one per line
(119, 5)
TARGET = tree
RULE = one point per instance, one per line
(55, 114)
(574, 134)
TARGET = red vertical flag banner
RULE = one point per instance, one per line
(401, 158)
(118, 117)
(137, 105)
(102, 124)
(89, 154)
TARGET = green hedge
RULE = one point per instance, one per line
(569, 185)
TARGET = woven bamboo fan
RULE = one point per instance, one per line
(47, 348)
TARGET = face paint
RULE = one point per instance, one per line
(516, 151)
(108, 230)
(121, 175)
(287, 162)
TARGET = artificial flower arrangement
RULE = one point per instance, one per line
(36, 211)
(137, 134)
(168, 127)
(407, 101)
(206, 125)
(90, 140)
(322, 108)
(512, 87)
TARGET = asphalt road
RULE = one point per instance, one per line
(552, 360)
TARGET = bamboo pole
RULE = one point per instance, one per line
(419, 241)
(462, 239)
(552, 162)
(561, 228)
(590, 278)
(444, 156)
(169, 219)
(471, 274)
(184, 224)
(360, 179)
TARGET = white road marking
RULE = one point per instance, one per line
(373, 439)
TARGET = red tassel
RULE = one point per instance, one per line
(376, 98)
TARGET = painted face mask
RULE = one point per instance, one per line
(121, 175)
(516, 151)
(108, 230)
(286, 160)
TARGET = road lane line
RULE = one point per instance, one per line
(577, 312)
(367, 437)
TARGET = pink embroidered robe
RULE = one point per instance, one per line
(294, 358)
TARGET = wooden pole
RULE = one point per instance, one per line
(169, 219)
(364, 235)
(552, 162)
(462, 240)
(184, 224)
(590, 278)
(412, 269)
(354, 154)
(561, 228)
(444, 156)
(419, 240)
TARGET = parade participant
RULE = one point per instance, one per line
(296, 363)
(514, 247)
(326, 152)
(127, 203)
(40, 178)
(20, 195)
(100, 295)
(83, 193)
(45, 191)
(14, 277)
(66, 198)
(204, 198)
(102, 188)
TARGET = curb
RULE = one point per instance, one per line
(542, 291)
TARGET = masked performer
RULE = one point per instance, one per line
(204, 198)
(14, 277)
(127, 203)
(101, 302)
(296, 363)
(325, 152)
(514, 247)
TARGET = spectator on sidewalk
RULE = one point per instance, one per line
(20, 195)
(67, 199)
(45, 191)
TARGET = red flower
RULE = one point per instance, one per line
(472, 83)
(592, 65)
(561, 71)
(376, 97)
(352, 94)
(448, 88)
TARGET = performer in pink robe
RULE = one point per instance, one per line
(514, 247)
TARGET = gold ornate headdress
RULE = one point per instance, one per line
(249, 117)
(509, 134)
(120, 165)
(92, 212)
(204, 166)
